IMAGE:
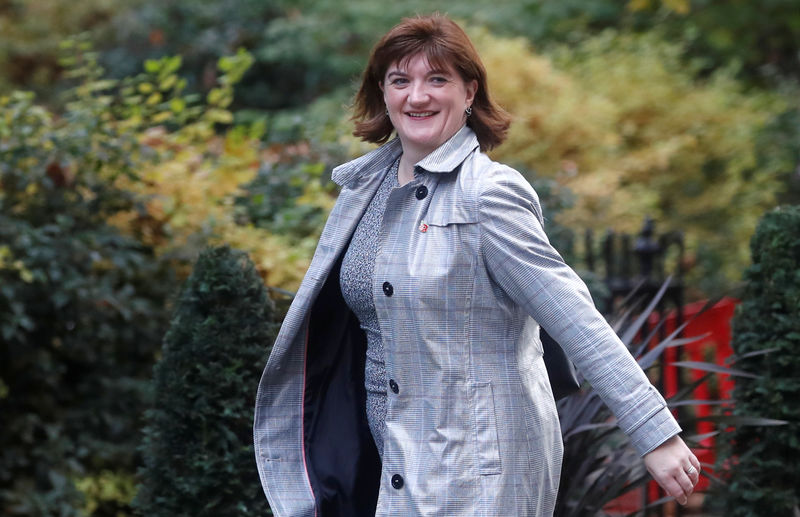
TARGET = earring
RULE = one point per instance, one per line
(387, 112)
(468, 111)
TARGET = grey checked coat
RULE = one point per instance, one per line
(463, 278)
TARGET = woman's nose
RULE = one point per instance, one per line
(418, 93)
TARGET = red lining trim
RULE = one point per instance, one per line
(302, 420)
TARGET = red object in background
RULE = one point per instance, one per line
(714, 324)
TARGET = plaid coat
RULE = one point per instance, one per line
(463, 278)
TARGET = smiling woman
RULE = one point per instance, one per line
(444, 49)
(426, 106)
(408, 378)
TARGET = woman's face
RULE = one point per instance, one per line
(426, 105)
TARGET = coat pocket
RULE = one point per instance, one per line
(450, 218)
(485, 425)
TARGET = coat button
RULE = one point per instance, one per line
(393, 386)
(388, 290)
(397, 481)
(422, 191)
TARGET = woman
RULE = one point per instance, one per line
(407, 378)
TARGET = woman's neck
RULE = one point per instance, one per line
(405, 170)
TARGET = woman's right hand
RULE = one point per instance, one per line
(675, 468)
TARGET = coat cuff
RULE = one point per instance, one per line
(654, 430)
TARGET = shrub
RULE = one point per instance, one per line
(86, 269)
(198, 446)
(81, 311)
(764, 475)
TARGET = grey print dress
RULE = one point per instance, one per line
(355, 279)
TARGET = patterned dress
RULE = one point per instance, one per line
(356, 283)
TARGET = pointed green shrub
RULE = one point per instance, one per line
(198, 450)
(764, 474)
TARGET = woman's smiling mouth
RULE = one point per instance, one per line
(421, 114)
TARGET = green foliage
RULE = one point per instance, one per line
(81, 309)
(278, 199)
(308, 48)
(779, 145)
(32, 32)
(764, 477)
(303, 49)
(83, 297)
(198, 446)
(760, 38)
(202, 33)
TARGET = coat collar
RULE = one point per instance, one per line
(452, 153)
(445, 158)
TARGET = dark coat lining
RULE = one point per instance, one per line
(344, 468)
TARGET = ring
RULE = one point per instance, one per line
(691, 470)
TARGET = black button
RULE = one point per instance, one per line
(393, 386)
(422, 191)
(397, 481)
(388, 290)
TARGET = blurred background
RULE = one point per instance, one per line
(136, 133)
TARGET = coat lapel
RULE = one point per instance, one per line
(360, 180)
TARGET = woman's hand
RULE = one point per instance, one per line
(674, 467)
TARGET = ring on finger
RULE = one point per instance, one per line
(691, 470)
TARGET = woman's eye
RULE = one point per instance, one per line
(438, 80)
(399, 81)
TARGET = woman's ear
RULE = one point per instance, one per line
(472, 89)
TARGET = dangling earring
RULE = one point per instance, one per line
(387, 112)
(468, 111)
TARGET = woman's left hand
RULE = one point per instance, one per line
(674, 467)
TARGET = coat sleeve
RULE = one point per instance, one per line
(520, 259)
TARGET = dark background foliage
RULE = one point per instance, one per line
(305, 48)
(81, 314)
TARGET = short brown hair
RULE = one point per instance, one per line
(443, 43)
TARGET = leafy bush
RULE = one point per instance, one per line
(303, 49)
(198, 446)
(81, 311)
(764, 475)
(191, 163)
(87, 268)
(278, 199)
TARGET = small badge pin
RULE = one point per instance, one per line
(423, 227)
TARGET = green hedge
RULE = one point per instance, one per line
(764, 475)
(198, 446)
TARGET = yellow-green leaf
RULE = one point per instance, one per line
(168, 82)
(177, 105)
(163, 116)
(154, 99)
(214, 96)
(219, 115)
